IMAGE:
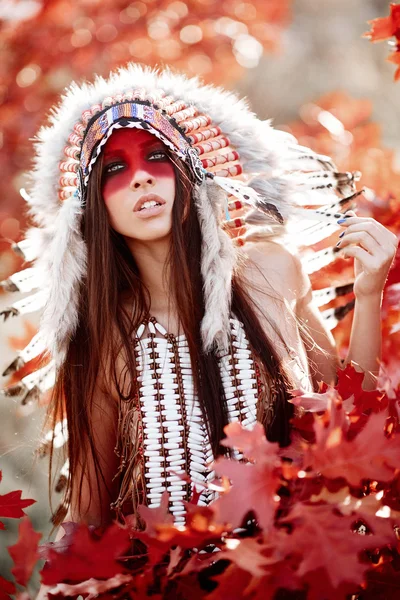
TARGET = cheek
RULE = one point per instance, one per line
(121, 181)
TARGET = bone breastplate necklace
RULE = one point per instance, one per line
(174, 440)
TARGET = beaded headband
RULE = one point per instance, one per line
(180, 127)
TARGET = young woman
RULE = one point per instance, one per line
(161, 331)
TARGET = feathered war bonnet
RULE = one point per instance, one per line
(237, 162)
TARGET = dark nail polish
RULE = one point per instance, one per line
(342, 234)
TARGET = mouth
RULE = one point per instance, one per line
(147, 203)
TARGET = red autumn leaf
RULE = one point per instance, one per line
(200, 529)
(310, 401)
(253, 488)
(87, 557)
(25, 552)
(385, 27)
(156, 519)
(92, 586)
(63, 544)
(6, 588)
(326, 540)
(334, 456)
(349, 385)
(249, 554)
(12, 505)
(252, 442)
(156, 516)
(318, 587)
(231, 584)
(253, 485)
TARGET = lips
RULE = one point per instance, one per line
(147, 198)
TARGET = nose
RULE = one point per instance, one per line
(141, 179)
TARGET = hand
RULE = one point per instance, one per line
(373, 248)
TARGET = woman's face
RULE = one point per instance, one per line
(138, 185)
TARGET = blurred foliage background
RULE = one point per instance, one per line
(302, 63)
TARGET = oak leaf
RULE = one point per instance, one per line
(326, 540)
(334, 456)
(254, 488)
(252, 442)
(91, 588)
(25, 552)
(385, 27)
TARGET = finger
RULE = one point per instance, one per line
(385, 238)
(381, 234)
(364, 238)
(368, 261)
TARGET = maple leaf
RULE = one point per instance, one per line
(87, 557)
(25, 552)
(12, 505)
(326, 540)
(358, 459)
(6, 588)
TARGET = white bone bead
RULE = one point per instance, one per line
(196, 467)
(154, 435)
(171, 446)
(151, 421)
(171, 426)
(178, 494)
(173, 435)
(154, 479)
(174, 464)
(175, 488)
(153, 447)
(151, 327)
(154, 496)
(140, 330)
(155, 488)
(151, 452)
(196, 437)
(234, 413)
(160, 328)
(176, 479)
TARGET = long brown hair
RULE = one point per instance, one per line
(105, 329)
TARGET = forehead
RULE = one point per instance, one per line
(130, 138)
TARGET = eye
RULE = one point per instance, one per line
(158, 155)
(112, 168)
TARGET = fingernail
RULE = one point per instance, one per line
(338, 244)
(342, 234)
(341, 221)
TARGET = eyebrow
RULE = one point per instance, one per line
(122, 149)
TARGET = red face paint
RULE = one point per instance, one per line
(138, 184)
(133, 152)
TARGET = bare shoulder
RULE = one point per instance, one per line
(277, 265)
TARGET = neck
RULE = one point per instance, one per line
(151, 260)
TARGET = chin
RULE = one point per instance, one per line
(149, 234)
